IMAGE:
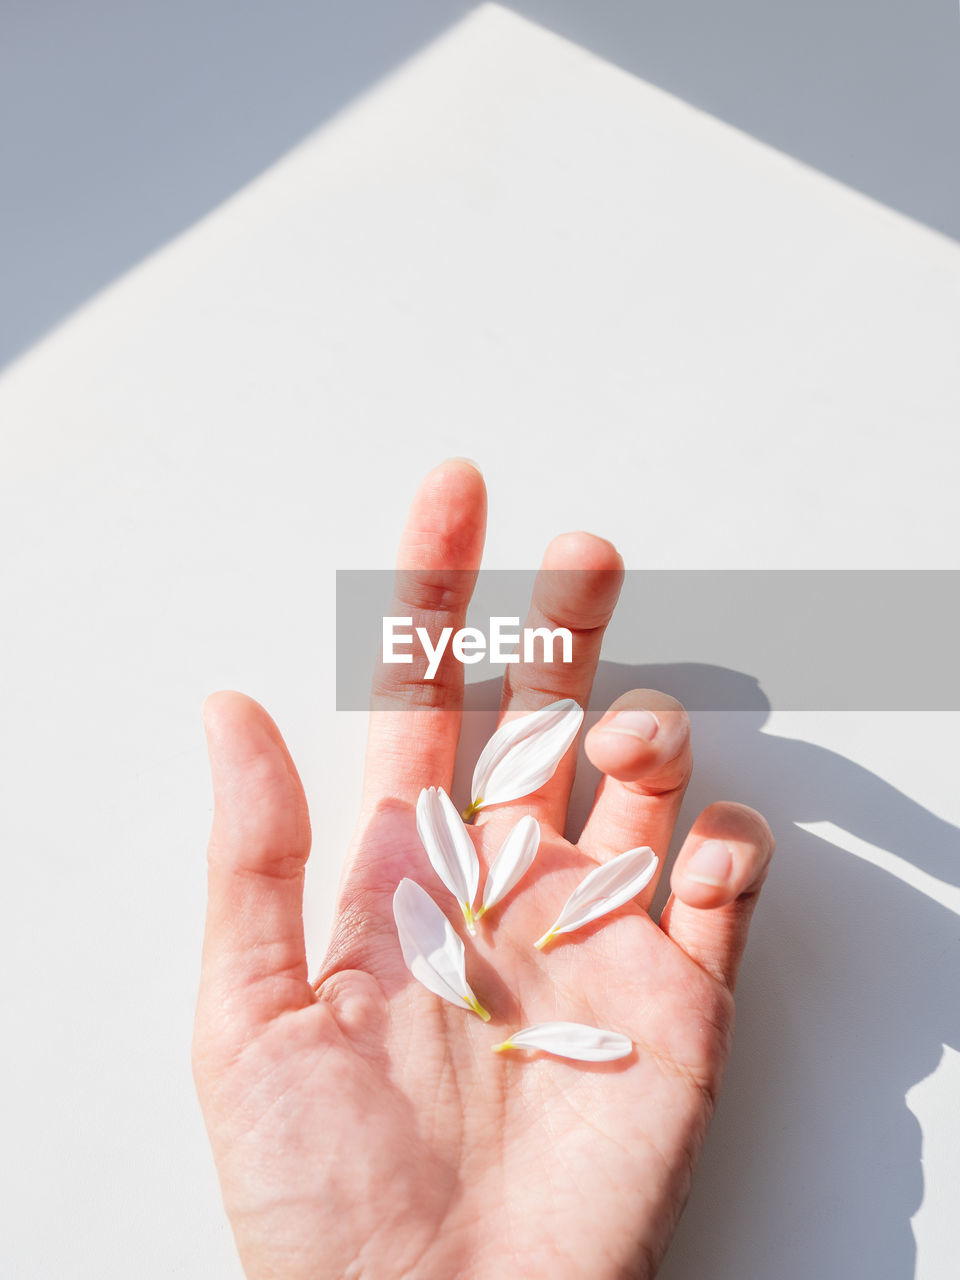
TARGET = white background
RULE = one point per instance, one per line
(639, 321)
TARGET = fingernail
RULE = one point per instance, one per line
(469, 461)
(710, 864)
(636, 724)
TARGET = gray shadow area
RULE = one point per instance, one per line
(122, 124)
(866, 91)
(846, 997)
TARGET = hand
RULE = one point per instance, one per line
(361, 1126)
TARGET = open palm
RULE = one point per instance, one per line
(361, 1126)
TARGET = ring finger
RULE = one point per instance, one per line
(642, 747)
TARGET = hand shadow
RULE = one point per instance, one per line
(812, 1166)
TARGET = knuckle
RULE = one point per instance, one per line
(536, 686)
(668, 777)
(434, 595)
(666, 785)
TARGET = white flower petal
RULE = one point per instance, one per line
(449, 847)
(432, 951)
(603, 890)
(516, 854)
(570, 1040)
(524, 753)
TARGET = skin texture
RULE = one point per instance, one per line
(362, 1127)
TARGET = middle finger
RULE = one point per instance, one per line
(577, 588)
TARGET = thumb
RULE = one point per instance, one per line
(254, 959)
